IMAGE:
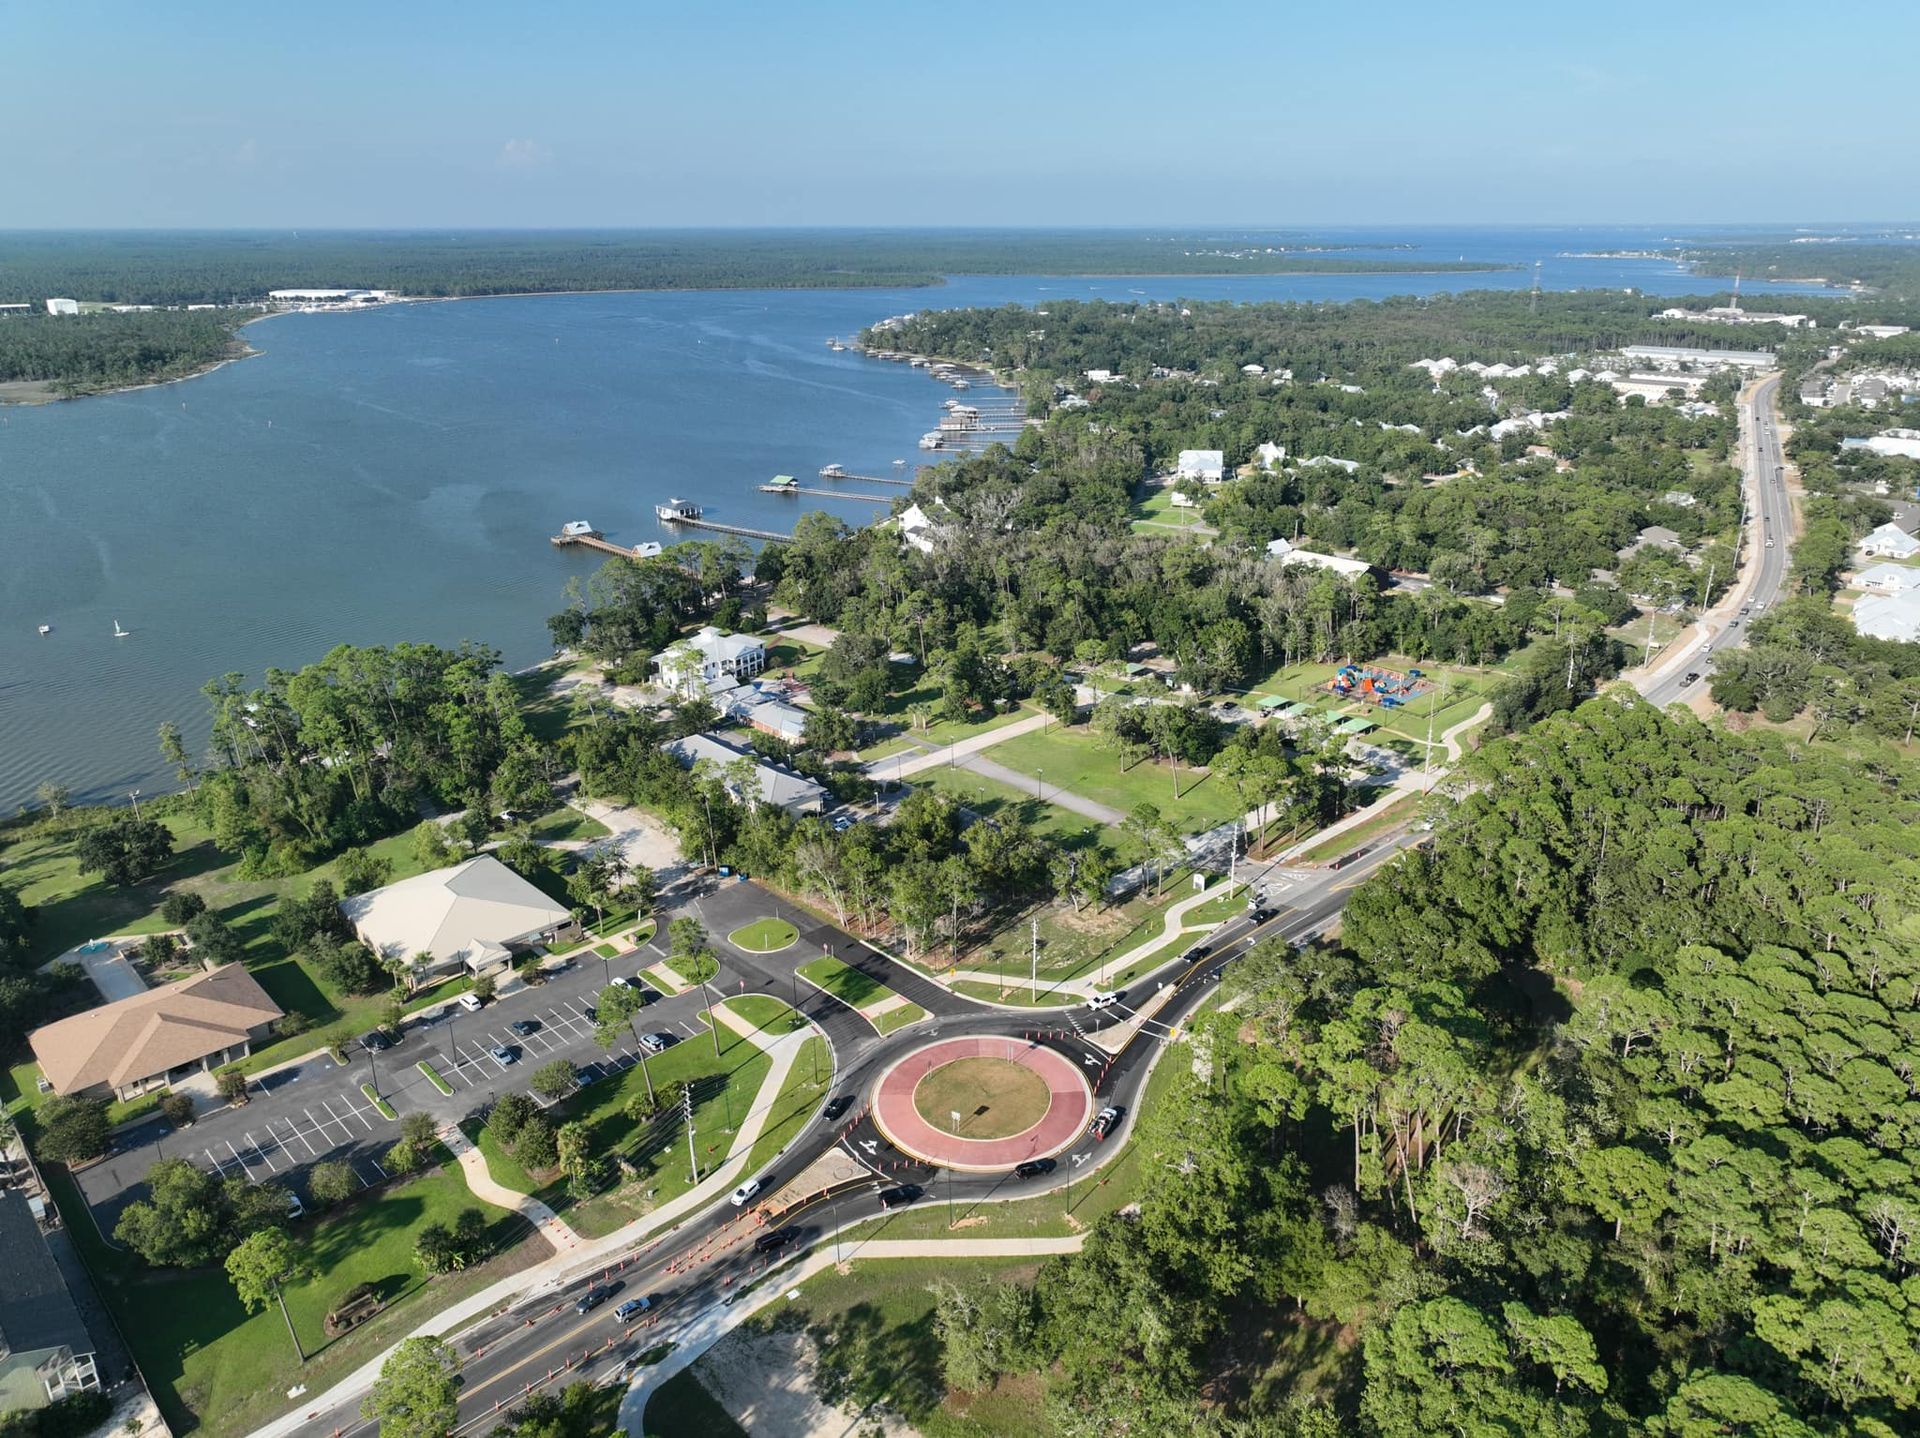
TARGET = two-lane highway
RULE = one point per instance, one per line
(1768, 529)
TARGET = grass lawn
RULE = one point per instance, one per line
(844, 982)
(898, 1018)
(433, 1077)
(660, 1156)
(1012, 992)
(887, 748)
(1073, 944)
(693, 968)
(994, 1097)
(384, 1108)
(566, 823)
(1400, 811)
(1075, 759)
(805, 1089)
(764, 936)
(606, 951)
(218, 1370)
(763, 1011)
(1157, 515)
(991, 799)
(899, 707)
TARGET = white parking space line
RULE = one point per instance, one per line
(261, 1153)
(219, 1164)
(239, 1160)
(312, 1152)
(333, 1119)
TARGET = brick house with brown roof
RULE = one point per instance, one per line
(153, 1039)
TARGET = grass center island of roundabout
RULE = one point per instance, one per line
(982, 1104)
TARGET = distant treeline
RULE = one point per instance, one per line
(82, 354)
(1894, 268)
(188, 268)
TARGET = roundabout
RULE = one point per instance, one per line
(982, 1104)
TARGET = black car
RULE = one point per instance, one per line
(1199, 951)
(524, 1027)
(375, 1042)
(837, 1106)
(1034, 1168)
(596, 1296)
(778, 1238)
(1103, 1123)
(589, 1013)
(899, 1197)
(1259, 916)
(1691, 677)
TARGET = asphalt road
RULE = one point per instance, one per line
(1769, 531)
(711, 1260)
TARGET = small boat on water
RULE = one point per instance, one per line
(832, 471)
(930, 440)
(118, 632)
(46, 629)
(899, 464)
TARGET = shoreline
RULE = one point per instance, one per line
(938, 282)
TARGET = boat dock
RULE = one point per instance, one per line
(826, 493)
(838, 473)
(596, 540)
(771, 536)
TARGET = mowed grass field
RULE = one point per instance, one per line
(764, 936)
(1077, 759)
(995, 1098)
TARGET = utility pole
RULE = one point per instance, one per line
(1033, 962)
(686, 1107)
(712, 1023)
(1706, 592)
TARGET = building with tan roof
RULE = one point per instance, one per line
(472, 917)
(153, 1039)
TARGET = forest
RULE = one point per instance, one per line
(1597, 1120)
(1891, 268)
(236, 267)
(84, 354)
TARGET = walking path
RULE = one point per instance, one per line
(901, 766)
(585, 1254)
(1074, 803)
(473, 1167)
(715, 1324)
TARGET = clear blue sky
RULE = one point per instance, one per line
(1279, 112)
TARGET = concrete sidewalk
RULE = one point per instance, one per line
(717, 1322)
(473, 1167)
(904, 766)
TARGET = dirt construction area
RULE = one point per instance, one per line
(765, 1381)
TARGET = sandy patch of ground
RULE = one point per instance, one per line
(765, 1381)
(883, 1006)
(27, 391)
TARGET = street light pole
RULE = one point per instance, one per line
(135, 796)
(712, 1022)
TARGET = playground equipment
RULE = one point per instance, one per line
(1388, 688)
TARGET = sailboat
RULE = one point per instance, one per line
(118, 632)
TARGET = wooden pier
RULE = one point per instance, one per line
(826, 493)
(871, 479)
(771, 536)
(604, 545)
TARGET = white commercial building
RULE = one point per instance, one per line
(63, 307)
(1266, 456)
(1673, 356)
(1206, 465)
(1890, 541)
(1287, 556)
(782, 788)
(474, 916)
(1894, 443)
(691, 666)
(1889, 616)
